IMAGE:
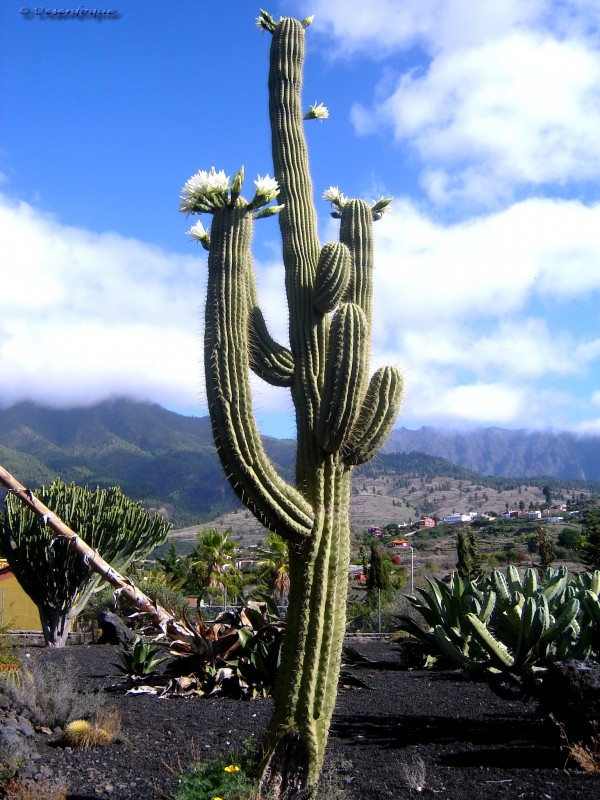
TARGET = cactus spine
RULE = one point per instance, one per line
(341, 417)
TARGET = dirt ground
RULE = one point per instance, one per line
(412, 734)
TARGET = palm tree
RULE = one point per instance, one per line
(275, 567)
(212, 562)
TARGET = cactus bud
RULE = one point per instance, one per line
(269, 212)
(236, 184)
(379, 208)
(266, 22)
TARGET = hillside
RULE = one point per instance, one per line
(164, 459)
(169, 462)
(380, 497)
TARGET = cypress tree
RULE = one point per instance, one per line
(378, 577)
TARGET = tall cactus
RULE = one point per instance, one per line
(342, 417)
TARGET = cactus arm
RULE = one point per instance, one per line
(555, 587)
(253, 478)
(377, 416)
(530, 582)
(270, 360)
(298, 224)
(500, 586)
(513, 579)
(344, 369)
(332, 277)
(591, 604)
(489, 604)
(381, 400)
(356, 232)
(529, 632)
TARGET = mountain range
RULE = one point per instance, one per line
(512, 453)
(169, 461)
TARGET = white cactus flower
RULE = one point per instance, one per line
(335, 197)
(198, 231)
(332, 194)
(266, 187)
(203, 185)
(317, 111)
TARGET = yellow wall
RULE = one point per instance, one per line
(17, 610)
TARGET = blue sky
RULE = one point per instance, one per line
(481, 120)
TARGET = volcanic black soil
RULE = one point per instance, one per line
(414, 733)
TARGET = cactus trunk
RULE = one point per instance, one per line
(341, 417)
(307, 682)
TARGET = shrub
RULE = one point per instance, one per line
(47, 689)
(506, 627)
(48, 789)
(571, 539)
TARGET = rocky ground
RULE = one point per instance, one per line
(413, 733)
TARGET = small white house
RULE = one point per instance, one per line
(453, 519)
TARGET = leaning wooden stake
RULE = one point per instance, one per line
(172, 630)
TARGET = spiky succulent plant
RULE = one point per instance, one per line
(342, 417)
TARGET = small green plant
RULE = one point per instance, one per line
(140, 659)
(259, 653)
(7, 651)
(227, 776)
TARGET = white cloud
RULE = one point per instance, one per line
(385, 26)
(522, 111)
(502, 96)
(459, 308)
(472, 312)
(86, 315)
(475, 404)
(483, 267)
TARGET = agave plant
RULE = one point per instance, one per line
(508, 628)
(238, 655)
(140, 659)
(445, 607)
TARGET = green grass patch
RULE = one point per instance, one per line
(227, 776)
